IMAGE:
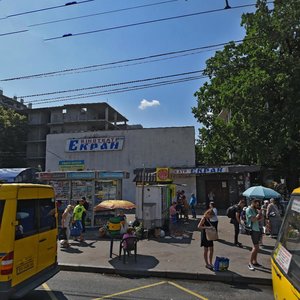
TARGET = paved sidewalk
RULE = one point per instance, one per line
(171, 258)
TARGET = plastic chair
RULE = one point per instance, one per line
(128, 244)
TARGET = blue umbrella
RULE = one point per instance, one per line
(261, 192)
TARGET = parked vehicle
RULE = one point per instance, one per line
(28, 238)
(286, 254)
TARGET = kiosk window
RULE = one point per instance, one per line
(47, 218)
(26, 217)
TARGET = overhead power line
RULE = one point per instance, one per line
(111, 84)
(46, 8)
(149, 22)
(110, 64)
(102, 13)
(116, 91)
(13, 32)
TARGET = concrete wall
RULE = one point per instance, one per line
(148, 147)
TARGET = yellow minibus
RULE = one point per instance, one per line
(28, 238)
(286, 254)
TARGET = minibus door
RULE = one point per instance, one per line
(26, 241)
(47, 240)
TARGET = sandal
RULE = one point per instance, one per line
(210, 267)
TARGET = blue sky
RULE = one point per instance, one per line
(28, 53)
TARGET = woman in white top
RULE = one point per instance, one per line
(66, 220)
(214, 219)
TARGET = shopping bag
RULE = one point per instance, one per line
(211, 233)
(75, 231)
(221, 264)
(62, 235)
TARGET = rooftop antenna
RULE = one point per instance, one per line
(227, 6)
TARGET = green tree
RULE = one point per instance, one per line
(13, 132)
(250, 108)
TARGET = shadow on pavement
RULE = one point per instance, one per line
(71, 250)
(143, 262)
(40, 294)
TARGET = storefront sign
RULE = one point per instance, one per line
(118, 175)
(296, 205)
(52, 175)
(71, 165)
(81, 175)
(95, 144)
(283, 257)
(163, 175)
(195, 171)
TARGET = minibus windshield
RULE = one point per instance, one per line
(289, 239)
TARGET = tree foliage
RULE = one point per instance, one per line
(250, 108)
(13, 132)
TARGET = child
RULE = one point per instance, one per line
(130, 233)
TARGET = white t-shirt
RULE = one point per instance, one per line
(215, 217)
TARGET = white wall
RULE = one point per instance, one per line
(149, 147)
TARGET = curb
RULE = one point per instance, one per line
(226, 277)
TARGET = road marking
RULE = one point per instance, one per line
(132, 290)
(187, 290)
(49, 291)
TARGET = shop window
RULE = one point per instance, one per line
(26, 218)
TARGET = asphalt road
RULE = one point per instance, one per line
(88, 286)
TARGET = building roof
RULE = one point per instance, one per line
(95, 105)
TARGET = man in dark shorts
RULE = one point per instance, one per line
(236, 221)
(253, 215)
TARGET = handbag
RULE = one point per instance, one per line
(248, 228)
(211, 233)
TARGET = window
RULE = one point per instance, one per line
(290, 239)
(26, 217)
(47, 219)
(64, 111)
(83, 110)
(33, 216)
(2, 203)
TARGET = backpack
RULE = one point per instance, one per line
(230, 212)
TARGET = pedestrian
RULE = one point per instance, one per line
(65, 225)
(214, 219)
(253, 216)
(130, 232)
(273, 215)
(77, 218)
(173, 222)
(86, 206)
(236, 221)
(208, 245)
(185, 208)
(192, 204)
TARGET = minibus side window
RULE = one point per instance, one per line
(290, 239)
(26, 217)
(2, 202)
(47, 219)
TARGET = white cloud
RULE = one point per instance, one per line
(145, 103)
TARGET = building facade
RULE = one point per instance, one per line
(125, 150)
(69, 118)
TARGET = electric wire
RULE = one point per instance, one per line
(46, 8)
(148, 22)
(46, 74)
(101, 13)
(112, 84)
(13, 32)
(115, 91)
